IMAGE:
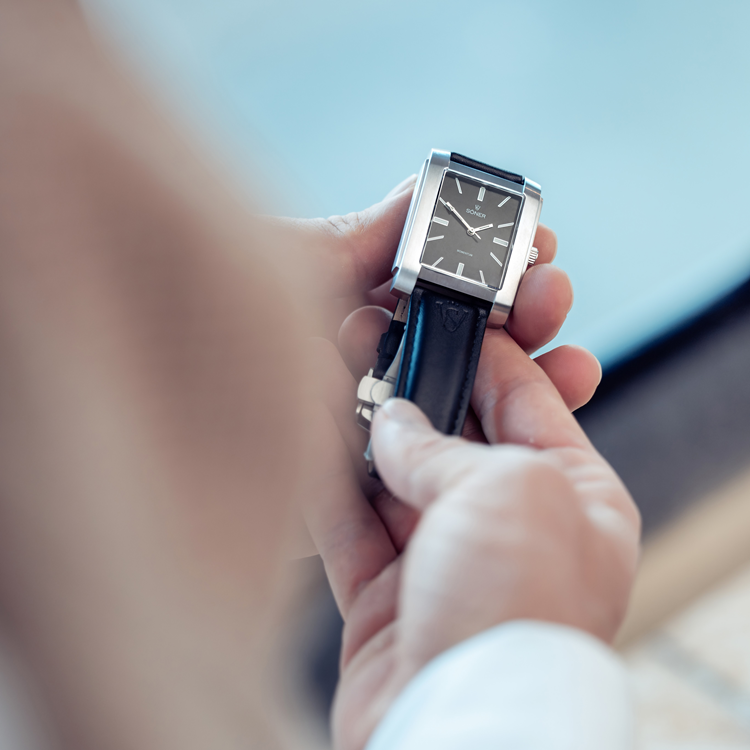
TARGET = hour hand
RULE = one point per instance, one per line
(486, 226)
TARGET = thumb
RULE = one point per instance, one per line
(414, 460)
(357, 249)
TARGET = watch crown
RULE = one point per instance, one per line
(533, 255)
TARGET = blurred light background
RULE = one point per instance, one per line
(633, 116)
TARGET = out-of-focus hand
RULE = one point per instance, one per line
(154, 411)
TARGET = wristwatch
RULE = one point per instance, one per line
(466, 244)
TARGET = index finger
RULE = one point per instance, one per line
(354, 252)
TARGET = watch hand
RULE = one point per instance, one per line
(469, 229)
(475, 232)
(459, 217)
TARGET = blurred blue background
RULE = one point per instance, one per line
(633, 116)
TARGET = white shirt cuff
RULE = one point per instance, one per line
(524, 685)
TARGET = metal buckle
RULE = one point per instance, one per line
(371, 394)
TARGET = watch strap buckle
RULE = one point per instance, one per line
(371, 394)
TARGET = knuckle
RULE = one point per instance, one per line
(347, 233)
(347, 226)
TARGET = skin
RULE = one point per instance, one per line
(158, 434)
(522, 506)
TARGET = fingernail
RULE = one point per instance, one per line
(402, 186)
(403, 412)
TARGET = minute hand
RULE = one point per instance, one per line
(459, 217)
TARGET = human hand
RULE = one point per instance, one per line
(539, 527)
(345, 261)
(361, 530)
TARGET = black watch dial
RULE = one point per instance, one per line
(472, 229)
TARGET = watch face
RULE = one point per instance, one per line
(471, 230)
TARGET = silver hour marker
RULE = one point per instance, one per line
(434, 265)
(498, 241)
(505, 200)
(442, 222)
(480, 197)
(495, 258)
(509, 224)
(481, 276)
(432, 239)
(458, 185)
(460, 269)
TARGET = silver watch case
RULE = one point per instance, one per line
(407, 266)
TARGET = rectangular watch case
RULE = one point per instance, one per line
(407, 266)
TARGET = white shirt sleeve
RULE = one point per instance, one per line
(521, 686)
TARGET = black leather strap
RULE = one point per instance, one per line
(482, 167)
(442, 342)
